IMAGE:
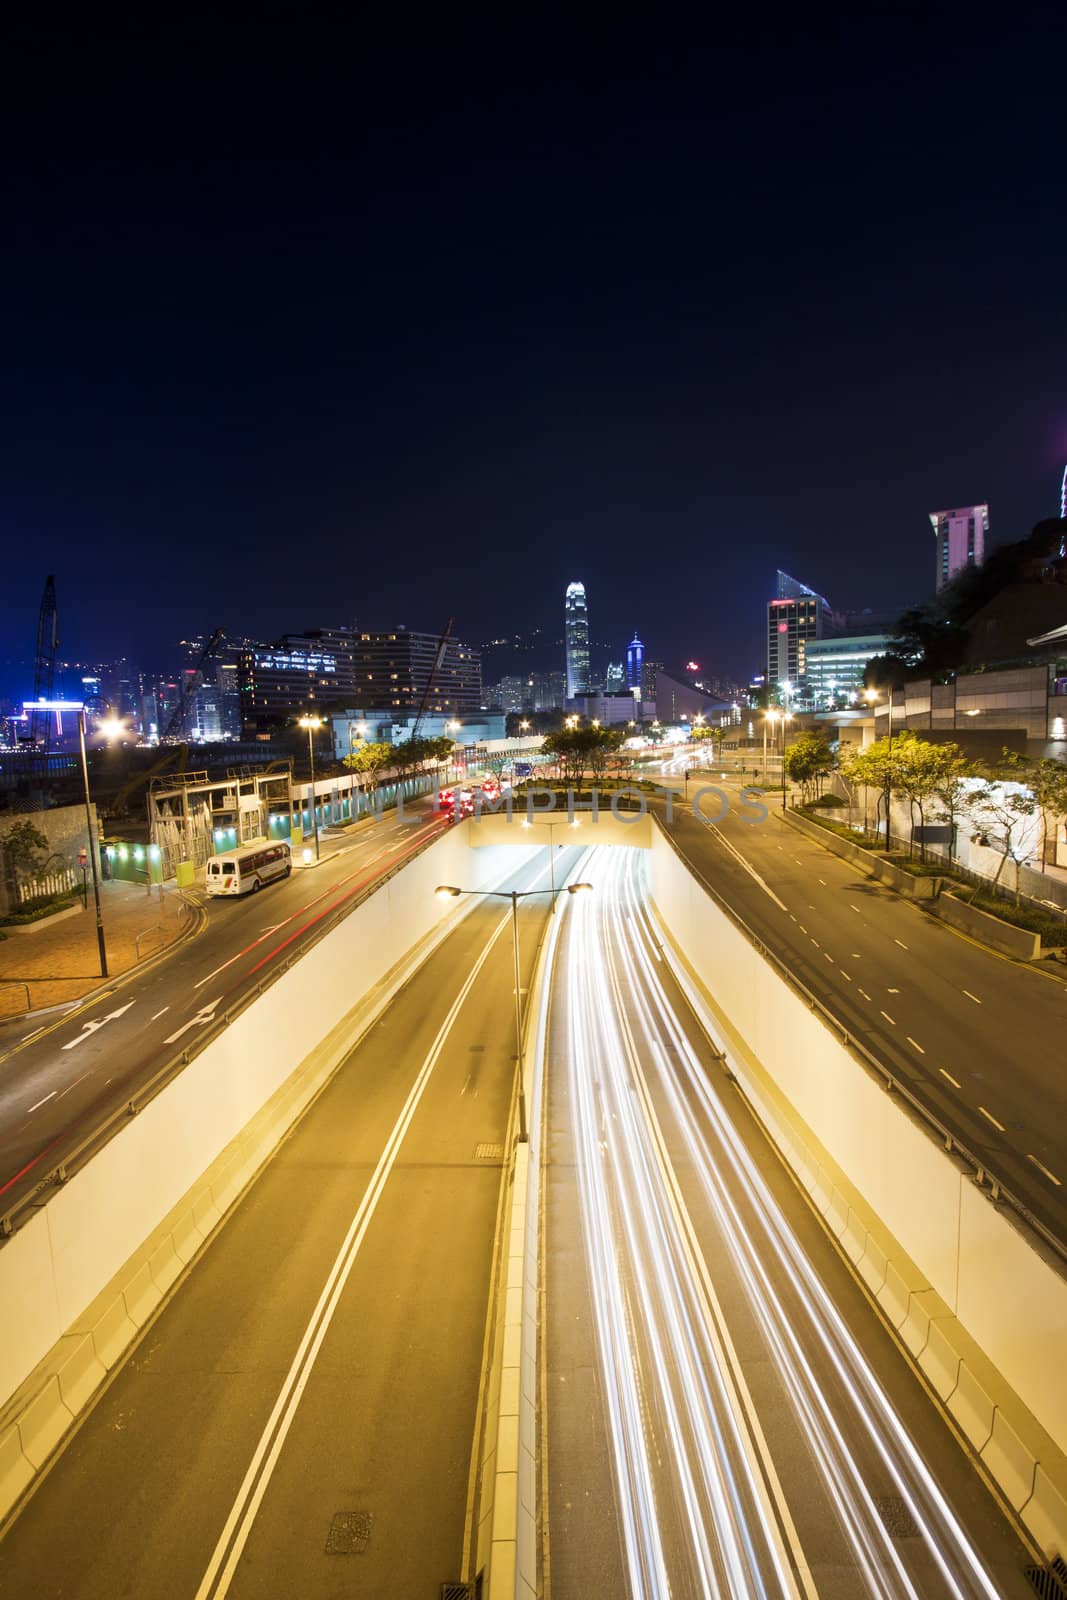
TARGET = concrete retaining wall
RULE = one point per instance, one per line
(87, 1270)
(987, 929)
(981, 1308)
(872, 865)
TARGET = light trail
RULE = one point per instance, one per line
(701, 1507)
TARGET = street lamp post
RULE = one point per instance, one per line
(448, 891)
(311, 723)
(772, 718)
(101, 946)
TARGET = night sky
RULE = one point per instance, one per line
(308, 324)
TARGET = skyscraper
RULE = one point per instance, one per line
(576, 636)
(794, 616)
(635, 655)
(960, 537)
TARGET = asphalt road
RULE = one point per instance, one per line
(267, 1440)
(62, 1075)
(979, 1039)
(724, 1410)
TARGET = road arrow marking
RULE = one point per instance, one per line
(205, 1015)
(89, 1028)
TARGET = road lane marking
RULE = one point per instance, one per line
(827, 956)
(845, 975)
(1040, 1165)
(856, 909)
(864, 993)
(158, 1014)
(43, 1102)
(950, 1078)
(815, 942)
(991, 1118)
(973, 997)
(798, 861)
(76, 1082)
(802, 928)
(27, 1037)
(892, 991)
(824, 883)
(227, 1553)
(747, 865)
(901, 943)
(89, 1028)
(856, 956)
(917, 1045)
(888, 1018)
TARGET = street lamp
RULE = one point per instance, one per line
(448, 891)
(78, 706)
(311, 723)
(772, 718)
(524, 727)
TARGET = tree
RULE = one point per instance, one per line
(916, 774)
(872, 768)
(579, 748)
(1048, 781)
(1009, 812)
(25, 845)
(808, 762)
(371, 758)
(609, 742)
(951, 789)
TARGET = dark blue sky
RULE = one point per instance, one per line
(307, 324)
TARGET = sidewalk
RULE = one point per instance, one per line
(62, 963)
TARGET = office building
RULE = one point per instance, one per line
(635, 655)
(300, 672)
(576, 637)
(794, 616)
(393, 670)
(615, 678)
(960, 538)
(548, 690)
(650, 671)
(833, 668)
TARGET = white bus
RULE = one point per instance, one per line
(248, 869)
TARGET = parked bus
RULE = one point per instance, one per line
(248, 869)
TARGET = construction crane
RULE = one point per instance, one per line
(193, 680)
(442, 646)
(44, 672)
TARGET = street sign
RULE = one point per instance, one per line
(523, 769)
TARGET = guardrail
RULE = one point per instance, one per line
(983, 1173)
(70, 1159)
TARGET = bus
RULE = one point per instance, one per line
(248, 869)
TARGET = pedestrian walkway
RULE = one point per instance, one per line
(61, 962)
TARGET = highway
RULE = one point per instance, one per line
(977, 1038)
(63, 1074)
(299, 1418)
(725, 1413)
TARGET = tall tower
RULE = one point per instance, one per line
(576, 635)
(961, 537)
(1063, 494)
(635, 655)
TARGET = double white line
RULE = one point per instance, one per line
(227, 1553)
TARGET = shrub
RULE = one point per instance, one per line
(35, 914)
(827, 802)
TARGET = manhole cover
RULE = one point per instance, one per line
(488, 1152)
(349, 1533)
(898, 1520)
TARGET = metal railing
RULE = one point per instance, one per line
(70, 1158)
(983, 1172)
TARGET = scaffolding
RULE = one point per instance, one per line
(191, 817)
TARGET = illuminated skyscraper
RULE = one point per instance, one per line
(635, 655)
(1063, 494)
(961, 537)
(576, 636)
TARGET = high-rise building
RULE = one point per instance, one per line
(635, 655)
(650, 671)
(1063, 496)
(960, 537)
(549, 690)
(615, 678)
(394, 669)
(794, 616)
(576, 636)
(834, 668)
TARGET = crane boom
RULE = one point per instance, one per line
(190, 686)
(439, 656)
(44, 669)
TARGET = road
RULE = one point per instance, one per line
(61, 1077)
(725, 1411)
(977, 1038)
(299, 1418)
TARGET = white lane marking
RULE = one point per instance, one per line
(217, 970)
(950, 1078)
(856, 956)
(1040, 1165)
(827, 956)
(864, 993)
(802, 928)
(89, 1028)
(973, 997)
(234, 1536)
(901, 943)
(815, 942)
(917, 1045)
(991, 1118)
(205, 1015)
(43, 1102)
(845, 975)
(739, 858)
(888, 1018)
(824, 883)
(798, 861)
(158, 1014)
(272, 929)
(856, 909)
(28, 1036)
(892, 991)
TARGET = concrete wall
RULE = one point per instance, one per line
(63, 827)
(67, 1252)
(980, 1306)
(553, 827)
(1010, 941)
(885, 871)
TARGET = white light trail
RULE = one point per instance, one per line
(701, 1507)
